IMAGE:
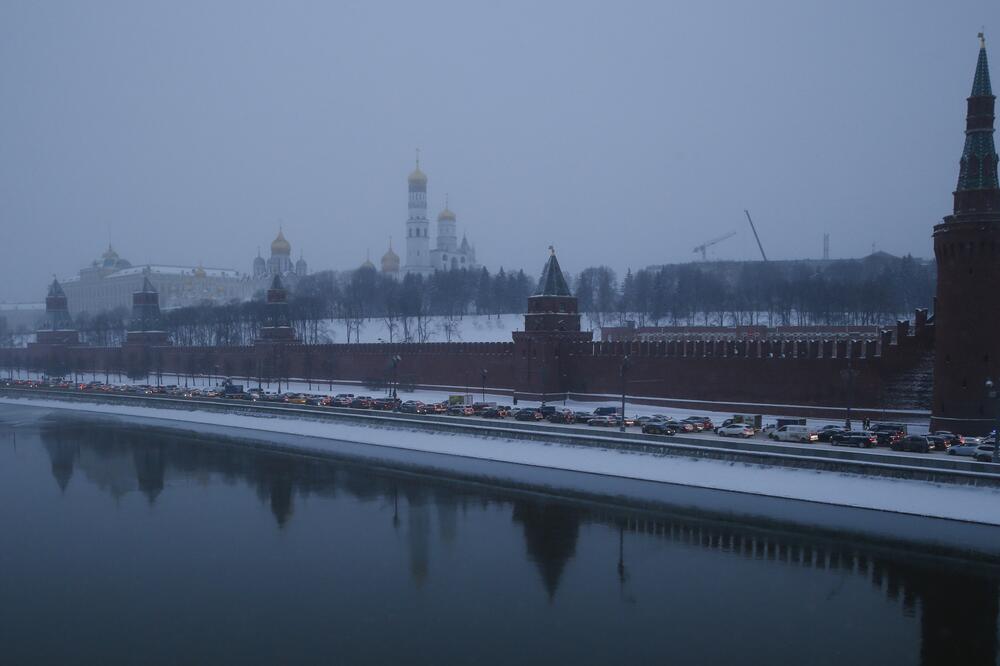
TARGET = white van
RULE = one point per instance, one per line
(794, 433)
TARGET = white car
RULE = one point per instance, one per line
(735, 430)
(967, 449)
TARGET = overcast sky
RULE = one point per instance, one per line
(623, 132)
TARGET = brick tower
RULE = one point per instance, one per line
(145, 328)
(277, 326)
(58, 327)
(967, 311)
(551, 327)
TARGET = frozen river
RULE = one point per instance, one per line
(127, 544)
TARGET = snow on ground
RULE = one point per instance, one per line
(963, 503)
(468, 328)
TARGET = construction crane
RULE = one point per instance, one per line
(707, 244)
(754, 229)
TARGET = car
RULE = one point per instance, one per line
(696, 422)
(461, 410)
(794, 433)
(949, 436)
(829, 434)
(984, 453)
(704, 421)
(887, 437)
(605, 411)
(862, 440)
(602, 421)
(912, 444)
(438, 408)
(735, 430)
(582, 417)
(645, 418)
(491, 413)
(564, 416)
(528, 415)
(967, 450)
(413, 407)
(659, 428)
(938, 443)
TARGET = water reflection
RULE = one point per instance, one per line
(957, 608)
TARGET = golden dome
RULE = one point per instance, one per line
(446, 214)
(199, 272)
(368, 264)
(390, 261)
(417, 176)
(279, 245)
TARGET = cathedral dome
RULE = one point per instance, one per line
(417, 177)
(390, 261)
(368, 264)
(281, 246)
(446, 214)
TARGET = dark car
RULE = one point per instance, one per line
(565, 416)
(361, 402)
(696, 421)
(602, 421)
(951, 438)
(862, 440)
(887, 437)
(605, 411)
(912, 443)
(528, 415)
(413, 407)
(939, 443)
(659, 428)
(547, 410)
(703, 421)
(492, 413)
(830, 434)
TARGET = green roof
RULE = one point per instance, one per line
(981, 83)
(552, 282)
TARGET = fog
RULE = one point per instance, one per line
(624, 133)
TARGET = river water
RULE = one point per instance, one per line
(123, 544)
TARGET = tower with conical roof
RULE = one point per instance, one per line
(58, 326)
(418, 244)
(145, 326)
(967, 304)
(277, 323)
(551, 331)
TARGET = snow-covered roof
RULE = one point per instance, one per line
(12, 307)
(176, 270)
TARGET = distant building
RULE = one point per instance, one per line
(390, 262)
(279, 263)
(448, 253)
(109, 283)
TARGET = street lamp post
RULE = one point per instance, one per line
(395, 380)
(484, 372)
(848, 376)
(992, 393)
(624, 369)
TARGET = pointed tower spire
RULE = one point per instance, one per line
(981, 83)
(552, 282)
(978, 190)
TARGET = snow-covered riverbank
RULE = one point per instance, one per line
(954, 503)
